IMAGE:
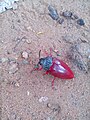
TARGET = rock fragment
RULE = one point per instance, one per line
(3, 60)
(60, 20)
(53, 12)
(25, 55)
(13, 67)
(74, 17)
(79, 54)
(25, 62)
(80, 22)
(43, 99)
(54, 107)
(7, 4)
(67, 14)
(29, 41)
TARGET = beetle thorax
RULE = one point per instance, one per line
(46, 62)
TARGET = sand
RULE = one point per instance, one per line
(23, 33)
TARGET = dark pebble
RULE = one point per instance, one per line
(74, 17)
(53, 12)
(67, 14)
(81, 22)
(55, 107)
(18, 21)
(60, 20)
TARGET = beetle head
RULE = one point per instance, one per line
(41, 61)
(45, 62)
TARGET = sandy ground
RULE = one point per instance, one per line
(25, 31)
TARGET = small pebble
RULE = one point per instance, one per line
(12, 60)
(74, 16)
(53, 12)
(54, 106)
(25, 54)
(13, 116)
(28, 41)
(67, 14)
(2, 60)
(16, 84)
(13, 68)
(25, 61)
(49, 118)
(60, 20)
(80, 22)
(28, 93)
(43, 99)
(89, 57)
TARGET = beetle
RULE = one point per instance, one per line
(55, 67)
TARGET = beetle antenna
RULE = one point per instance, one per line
(39, 53)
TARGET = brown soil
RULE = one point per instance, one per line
(29, 28)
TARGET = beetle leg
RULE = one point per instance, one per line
(34, 69)
(40, 68)
(53, 82)
(45, 73)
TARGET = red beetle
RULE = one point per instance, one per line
(55, 67)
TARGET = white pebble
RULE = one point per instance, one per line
(17, 84)
(2, 60)
(25, 54)
(43, 99)
(28, 93)
(28, 41)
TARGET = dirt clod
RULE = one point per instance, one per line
(79, 54)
